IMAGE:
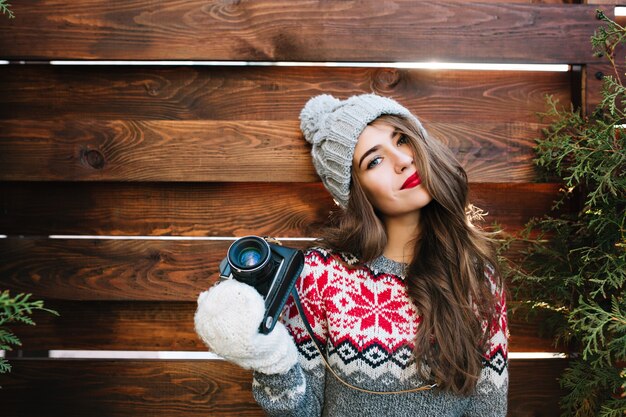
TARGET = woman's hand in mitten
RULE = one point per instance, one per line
(227, 320)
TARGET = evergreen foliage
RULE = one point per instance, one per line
(16, 309)
(574, 270)
(19, 308)
(5, 9)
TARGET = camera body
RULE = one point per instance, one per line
(270, 268)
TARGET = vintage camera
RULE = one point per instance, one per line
(270, 268)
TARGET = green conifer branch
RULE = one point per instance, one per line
(5, 9)
(574, 270)
(16, 309)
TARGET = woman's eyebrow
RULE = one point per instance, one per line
(375, 148)
(369, 151)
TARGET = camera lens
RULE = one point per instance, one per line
(249, 257)
(250, 260)
(248, 253)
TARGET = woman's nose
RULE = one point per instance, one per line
(402, 160)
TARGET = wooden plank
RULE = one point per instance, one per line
(511, 205)
(86, 269)
(197, 388)
(111, 269)
(594, 75)
(266, 93)
(120, 325)
(216, 209)
(282, 30)
(534, 389)
(163, 326)
(126, 388)
(536, 1)
(243, 151)
(594, 80)
(154, 151)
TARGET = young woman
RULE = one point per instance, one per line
(405, 311)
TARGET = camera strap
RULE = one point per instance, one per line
(322, 349)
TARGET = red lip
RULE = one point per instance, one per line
(413, 181)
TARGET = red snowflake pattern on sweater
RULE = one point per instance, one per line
(366, 318)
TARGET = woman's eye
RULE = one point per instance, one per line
(403, 139)
(374, 162)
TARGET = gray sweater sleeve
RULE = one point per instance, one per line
(296, 393)
(300, 391)
(490, 399)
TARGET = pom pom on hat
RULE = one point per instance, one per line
(333, 126)
(313, 116)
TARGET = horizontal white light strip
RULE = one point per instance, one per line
(405, 65)
(536, 355)
(286, 239)
(620, 11)
(163, 63)
(129, 354)
(121, 354)
(303, 239)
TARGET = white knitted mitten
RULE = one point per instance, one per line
(228, 319)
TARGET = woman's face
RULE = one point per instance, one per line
(385, 165)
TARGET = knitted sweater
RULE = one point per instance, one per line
(367, 322)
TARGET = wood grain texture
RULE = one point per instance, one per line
(109, 269)
(154, 151)
(593, 85)
(534, 389)
(243, 151)
(604, 2)
(126, 388)
(215, 151)
(267, 93)
(216, 209)
(163, 326)
(594, 80)
(197, 388)
(538, 1)
(304, 31)
(79, 269)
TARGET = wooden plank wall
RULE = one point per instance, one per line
(214, 151)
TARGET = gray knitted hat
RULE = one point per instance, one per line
(333, 127)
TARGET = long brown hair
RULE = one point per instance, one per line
(446, 278)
